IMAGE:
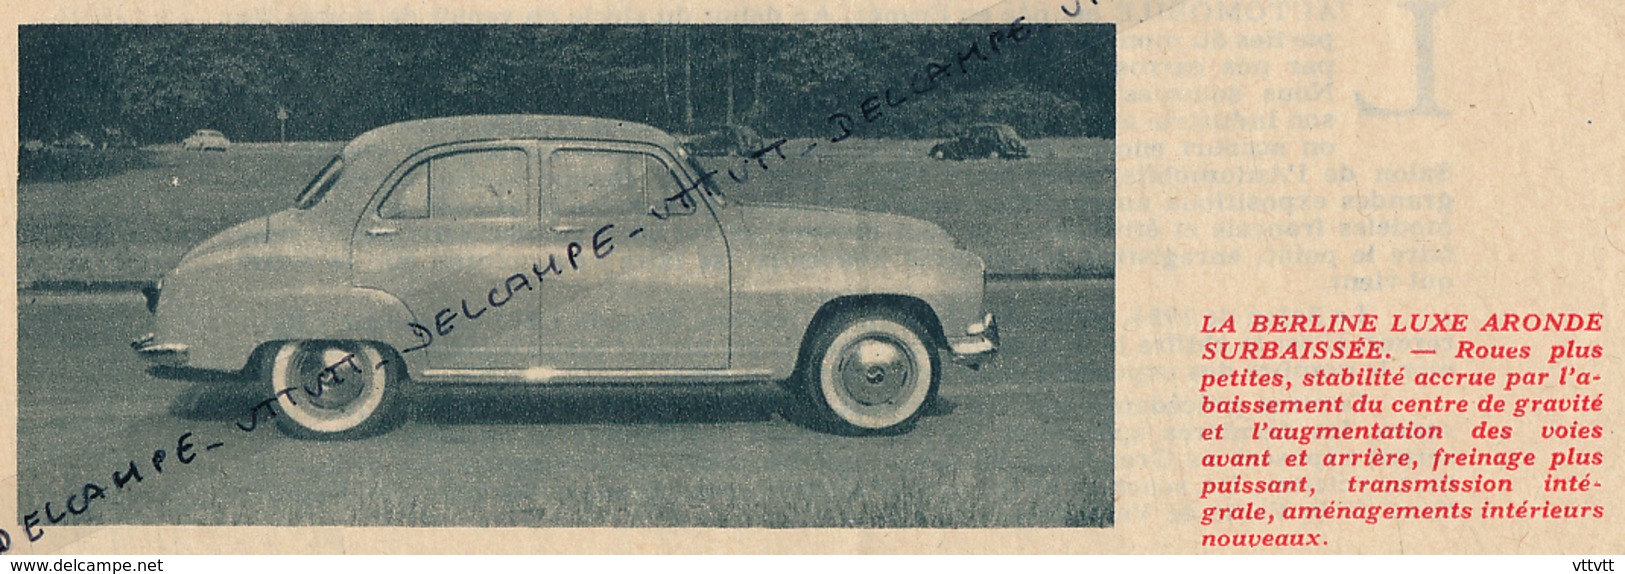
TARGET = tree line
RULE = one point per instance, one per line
(158, 83)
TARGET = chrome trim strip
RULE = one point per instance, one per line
(547, 375)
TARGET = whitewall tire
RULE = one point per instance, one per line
(334, 389)
(872, 373)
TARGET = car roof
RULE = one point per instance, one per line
(1002, 129)
(207, 133)
(410, 136)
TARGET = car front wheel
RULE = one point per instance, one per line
(871, 373)
(335, 389)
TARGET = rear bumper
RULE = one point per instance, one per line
(978, 345)
(166, 354)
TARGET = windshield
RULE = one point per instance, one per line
(318, 186)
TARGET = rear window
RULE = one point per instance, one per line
(318, 186)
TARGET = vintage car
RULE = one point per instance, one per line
(204, 140)
(993, 141)
(74, 140)
(724, 140)
(562, 250)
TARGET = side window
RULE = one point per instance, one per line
(410, 198)
(601, 183)
(470, 184)
(487, 183)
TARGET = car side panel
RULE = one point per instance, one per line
(649, 294)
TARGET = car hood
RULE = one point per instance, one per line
(768, 220)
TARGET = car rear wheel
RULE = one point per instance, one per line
(335, 389)
(871, 372)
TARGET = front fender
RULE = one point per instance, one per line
(775, 299)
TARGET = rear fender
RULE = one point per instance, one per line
(225, 301)
(223, 331)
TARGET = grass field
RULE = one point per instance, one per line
(135, 221)
(129, 215)
(1025, 442)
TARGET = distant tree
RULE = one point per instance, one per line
(189, 77)
(158, 83)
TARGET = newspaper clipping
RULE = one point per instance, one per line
(1060, 277)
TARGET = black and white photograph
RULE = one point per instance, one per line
(566, 275)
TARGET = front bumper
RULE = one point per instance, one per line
(166, 354)
(979, 344)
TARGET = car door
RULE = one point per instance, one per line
(658, 297)
(451, 229)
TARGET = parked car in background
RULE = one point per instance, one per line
(724, 140)
(74, 140)
(204, 140)
(547, 250)
(993, 141)
(116, 138)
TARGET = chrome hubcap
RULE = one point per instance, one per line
(331, 378)
(876, 371)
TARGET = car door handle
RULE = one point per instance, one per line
(566, 228)
(382, 231)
